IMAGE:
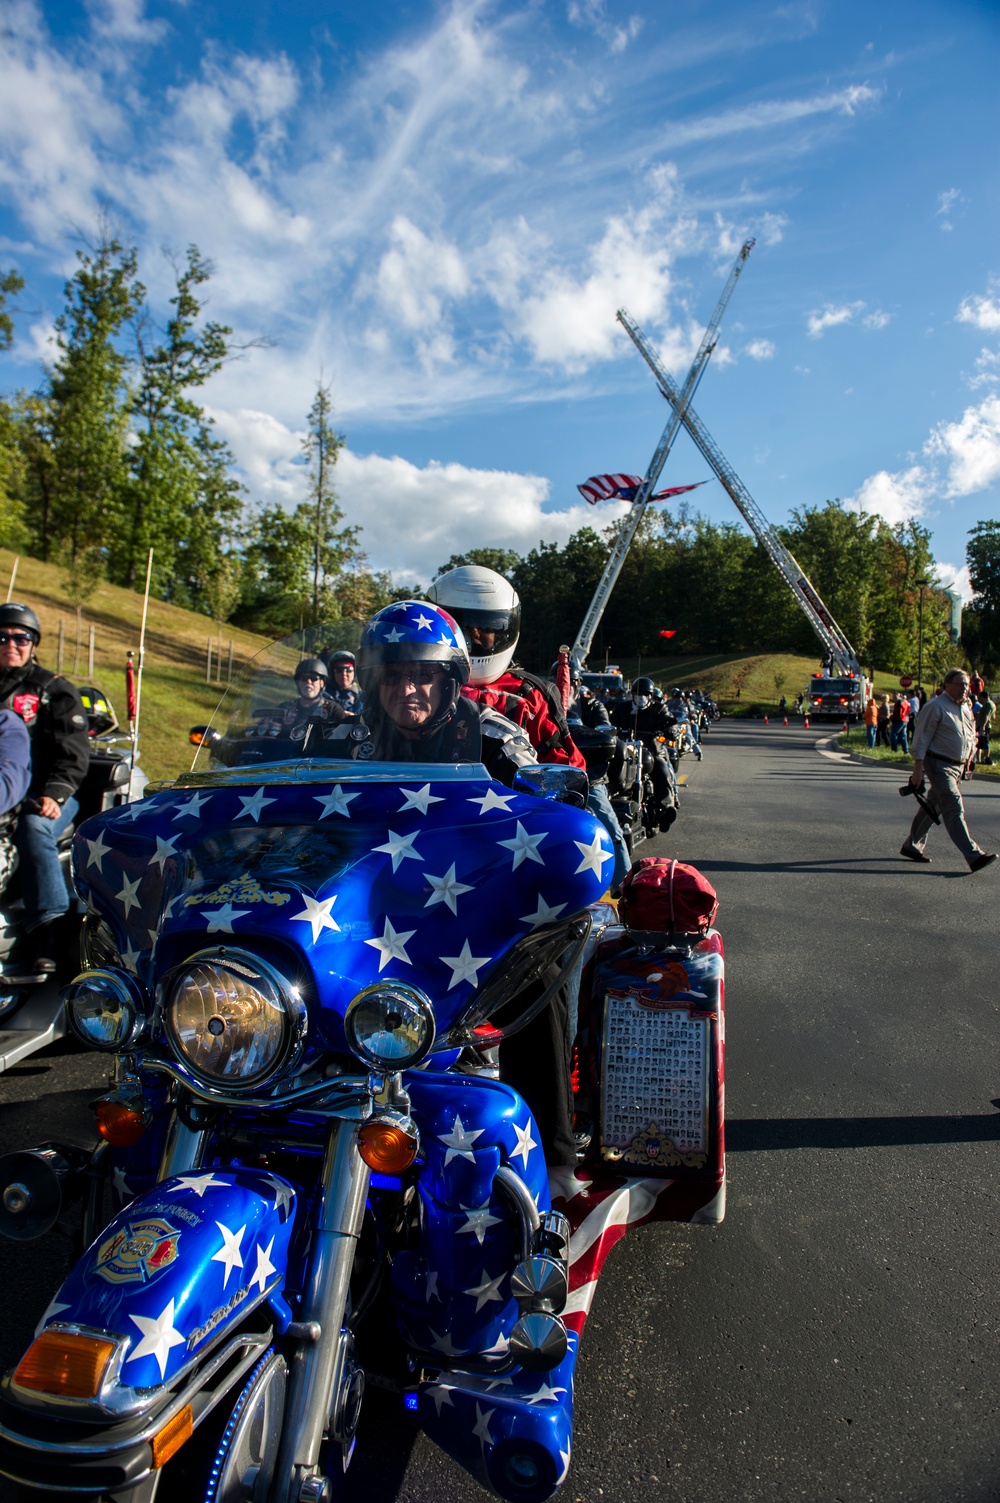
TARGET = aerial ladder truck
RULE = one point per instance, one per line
(840, 691)
(631, 523)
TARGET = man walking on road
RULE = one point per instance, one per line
(944, 745)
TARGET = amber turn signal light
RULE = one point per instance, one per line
(168, 1441)
(388, 1145)
(64, 1364)
(117, 1123)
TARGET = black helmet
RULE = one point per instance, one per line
(13, 613)
(642, 686)
(310, 668)
(342, 659)
(676, 692)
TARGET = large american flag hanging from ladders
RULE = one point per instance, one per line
(625, 488)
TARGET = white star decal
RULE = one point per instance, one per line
(317, 913)
(441, 1393)
(127, 897)
(424, 622)
(565, 1186)
(51, 1311)
(229, 1253)
(564, 1458)
(594, 856)
(543, 914)
(500, 1347)
(254, 804)
(446, 889)
(544, 1395)
(525, 1143)
(459, 1142)
(399, 847)
(199, 1183)
(431, 1280)
(164, 848)
(419, 798)
(158, 1336)
(119, 1186)
(335, 802)
(192, 809)
(493, 800)
(524, 846)
(479, 1221)
(464, 966)
(394, 635)
(488, 1291)
(98, 850)
(131, 958)
(264, 1266)
(220, 920)
(153, 937)
(444, 1344)
(282, 1193)
(391, 946)
(481, 1429)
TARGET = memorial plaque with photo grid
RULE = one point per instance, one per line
(654, 1084)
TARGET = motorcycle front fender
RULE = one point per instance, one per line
(168, 1278)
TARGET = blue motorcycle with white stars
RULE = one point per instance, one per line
(302, 959)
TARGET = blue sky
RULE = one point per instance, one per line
(440, 207)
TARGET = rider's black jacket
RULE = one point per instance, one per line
(654, 720)
(50, 707)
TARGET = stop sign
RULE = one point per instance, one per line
(905, 681)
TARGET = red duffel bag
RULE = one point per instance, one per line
(666, 897)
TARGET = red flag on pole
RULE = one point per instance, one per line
(130, 706)
(669, 633)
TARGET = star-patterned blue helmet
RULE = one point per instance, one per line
(412, 631)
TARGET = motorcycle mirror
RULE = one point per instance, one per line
(202, 735)
(563, 785)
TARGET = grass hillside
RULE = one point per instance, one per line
(175, 695)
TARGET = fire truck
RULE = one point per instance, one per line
(841, 698)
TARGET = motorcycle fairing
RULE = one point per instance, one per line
(452, 1294)
(176, 1269)
(364, 877)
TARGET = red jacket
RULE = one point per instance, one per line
(528, 708)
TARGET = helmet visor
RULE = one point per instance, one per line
(488, 631)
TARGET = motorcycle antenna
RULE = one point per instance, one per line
(134, 717)
(630, 524)
(13, 576)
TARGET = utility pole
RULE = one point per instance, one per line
(920, 638)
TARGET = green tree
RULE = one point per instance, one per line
(11, 283)
(501, 560)
(321, 447)
(981, 619)
(87, 419)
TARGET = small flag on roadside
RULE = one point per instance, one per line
(669, 633)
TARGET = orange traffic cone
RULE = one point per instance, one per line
(805, 723)
(844, 726)
(766, 721)
(785, 721)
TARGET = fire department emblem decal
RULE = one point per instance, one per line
(138, 1252)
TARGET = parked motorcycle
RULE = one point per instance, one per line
(302, 962)
(31, 1008)
(627, 764)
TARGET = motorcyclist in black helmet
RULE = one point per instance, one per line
(51, 710)
(342, 687)
(647, 718)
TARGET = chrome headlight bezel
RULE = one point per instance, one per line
(125, 997)
(416, 1006)
(260, 976)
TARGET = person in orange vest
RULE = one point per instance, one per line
(871, 720)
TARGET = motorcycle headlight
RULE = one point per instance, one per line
(233, 1018)
(390, 1025)
(105, 1009)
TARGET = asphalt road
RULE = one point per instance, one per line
(836, 1338)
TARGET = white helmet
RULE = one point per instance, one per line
(481, 601)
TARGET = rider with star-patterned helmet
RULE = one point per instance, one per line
(412, 665)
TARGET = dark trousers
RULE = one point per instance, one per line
(537, 1062)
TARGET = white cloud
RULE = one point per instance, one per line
(877, 319)
(982, 312)
(832, 316)
(970, 447)
(417, 273)
(760, 349)
(955, 577)
(124, 21)
(987, 368)
(770, 114)
(946, 202)
(593, 13)
(897, 497)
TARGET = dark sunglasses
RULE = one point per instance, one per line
(420, 675)
(19, 638)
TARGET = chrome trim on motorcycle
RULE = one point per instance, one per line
(517, 1195)
(341, 1091)
(313, 1368)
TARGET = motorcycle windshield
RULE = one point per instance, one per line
(280, 711)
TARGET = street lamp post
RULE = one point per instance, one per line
(920, 650)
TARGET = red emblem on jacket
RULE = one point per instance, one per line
(26, 705)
